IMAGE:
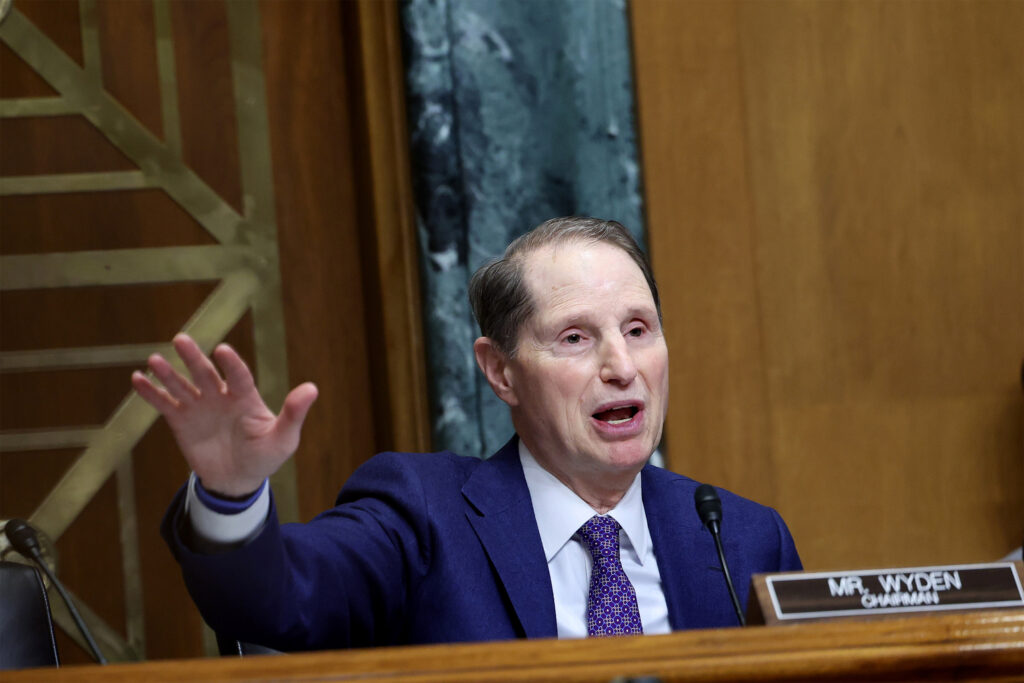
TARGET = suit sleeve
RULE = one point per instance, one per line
(339, 581)
(788, 559)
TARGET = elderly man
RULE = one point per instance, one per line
(566, 531)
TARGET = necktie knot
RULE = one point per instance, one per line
(611, 605)
(601, 536)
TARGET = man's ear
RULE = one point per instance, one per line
(495, 366)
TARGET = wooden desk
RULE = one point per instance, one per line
(985, 646)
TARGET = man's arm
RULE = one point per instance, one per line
(339, 581)
(789, 559)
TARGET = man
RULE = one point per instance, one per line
(565, 531)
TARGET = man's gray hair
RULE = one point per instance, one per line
(498, 293)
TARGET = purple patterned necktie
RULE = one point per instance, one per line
(611, 606)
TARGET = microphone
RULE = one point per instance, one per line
(23, 539)
(709, 509)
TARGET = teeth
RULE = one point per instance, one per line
(618, 422)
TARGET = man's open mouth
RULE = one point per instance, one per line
(617, 416)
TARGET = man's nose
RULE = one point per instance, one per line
(617, 362)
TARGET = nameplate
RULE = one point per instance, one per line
(890, 591)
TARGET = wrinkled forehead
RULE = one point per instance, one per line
(578, 268)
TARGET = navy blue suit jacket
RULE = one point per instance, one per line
(426, 548)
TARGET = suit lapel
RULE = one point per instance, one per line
(674, 526)
(504, 521)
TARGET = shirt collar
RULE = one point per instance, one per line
(560, 512)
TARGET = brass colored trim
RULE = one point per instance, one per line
(219, 313)
(18, 107)
(209, 637)
(93, 467)
(46, 439)
(84, 357)
(91, 55)
(246, 32)
(245, 262)
(251, 113)
(168, 75)
(110, 642)
(133, 417)
(137, 143)
(74, 182)
(123, 266)
(271, 371)
(131, 563)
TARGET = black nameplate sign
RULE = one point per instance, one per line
(888, 591)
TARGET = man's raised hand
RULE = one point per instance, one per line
(228, 435)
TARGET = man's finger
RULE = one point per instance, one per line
(293, 412)
(152, 394)
(204, 374)
(236, 372)
(180, 389)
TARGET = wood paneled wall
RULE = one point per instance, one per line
(345, 243)
(835, 202)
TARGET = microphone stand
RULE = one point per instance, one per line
(709, 509)
(725, 570)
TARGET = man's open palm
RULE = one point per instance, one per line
(228, 435)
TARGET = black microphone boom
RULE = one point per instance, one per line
(23, 539)
(709, 509)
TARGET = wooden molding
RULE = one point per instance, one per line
(394, 220)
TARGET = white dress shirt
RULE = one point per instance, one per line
(559, 512)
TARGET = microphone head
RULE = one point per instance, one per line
(709, 507)
(22, 537)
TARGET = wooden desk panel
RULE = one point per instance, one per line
(985, 645)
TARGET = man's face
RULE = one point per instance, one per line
(588, 386)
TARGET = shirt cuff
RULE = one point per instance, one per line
(225, 521)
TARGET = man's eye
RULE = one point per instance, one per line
(573, 338)
(637, 331)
